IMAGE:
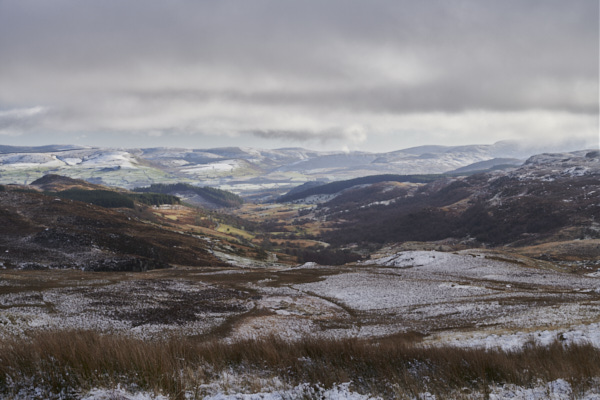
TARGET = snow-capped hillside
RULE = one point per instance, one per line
(244, 171)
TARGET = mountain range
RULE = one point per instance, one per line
(254, 173)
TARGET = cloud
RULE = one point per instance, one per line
(338, 71)
(354, 134)
(15, 121)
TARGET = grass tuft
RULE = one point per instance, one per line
(75, 361)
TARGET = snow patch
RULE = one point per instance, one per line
(581, 334)
(120, 394)
(339, 392)
(409, 259)
(221, 166)
(110, 159)
(71, 160)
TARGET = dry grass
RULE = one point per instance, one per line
(394, 367)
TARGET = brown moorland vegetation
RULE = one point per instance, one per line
(66, 363)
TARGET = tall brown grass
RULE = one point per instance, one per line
(75, 361)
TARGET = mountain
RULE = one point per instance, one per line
(488, 165)
(206, 197)
(56, 183)
(258, 174)
(551, 198)
(51, 231)
(334, 188)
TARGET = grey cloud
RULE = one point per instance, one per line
(352, 134)
(22, 119)
(110, 64)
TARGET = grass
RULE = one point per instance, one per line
(228, 229)
(394, 367)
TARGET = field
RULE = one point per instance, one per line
(239, 328)
(469, 295)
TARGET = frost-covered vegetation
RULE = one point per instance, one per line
(400, 325)
(69, 364)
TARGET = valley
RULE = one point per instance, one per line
(496, 263)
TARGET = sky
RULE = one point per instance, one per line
(376, 75)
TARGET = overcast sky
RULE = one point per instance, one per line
(358, 75)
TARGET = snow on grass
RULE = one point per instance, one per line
(120, 394)
(289, 316)
(580, 334)
(494, 302)
(110, 159)
(555, 390)
(220, 166)
(339, 392)
(479, 265)
(133, 307)
(429, 290)
(245, 262)
(372, 291)
(558, 389)
(303, 391)
(26, 160)
(409, 259)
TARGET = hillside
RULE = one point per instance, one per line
(259, 174)
(305, 191)
(201, 196)
(552, 198)
(57, 183)
(46, 231)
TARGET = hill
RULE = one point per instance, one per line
(261, 174)
(552, 198)
(332, 188)
(77, 189)
(203, 196)
(488, 165)
(57, 183)
(46, 231)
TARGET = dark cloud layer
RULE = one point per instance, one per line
(284, 69)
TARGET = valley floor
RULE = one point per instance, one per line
(467, 298)
(471, 299)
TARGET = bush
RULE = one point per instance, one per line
(103, 198)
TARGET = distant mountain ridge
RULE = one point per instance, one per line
(254, 173)
(551, 197)
(336, 187)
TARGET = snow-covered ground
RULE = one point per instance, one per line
(339, 392)
(555, 390)
(508, 304)
(79, 158)
(468, 298)
(25, 161)
(140, 307)
(216, 167)
(109, 159)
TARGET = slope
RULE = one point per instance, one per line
(42, 231)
